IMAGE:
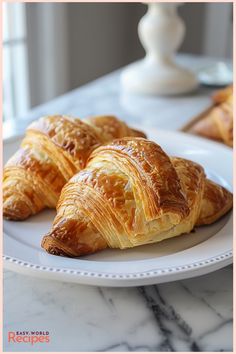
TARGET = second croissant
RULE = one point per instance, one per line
(52, 151)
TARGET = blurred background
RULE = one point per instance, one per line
(52, 48)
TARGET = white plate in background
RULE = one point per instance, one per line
(207, 249)
(219, 74)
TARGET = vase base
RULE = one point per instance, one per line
(144, 77)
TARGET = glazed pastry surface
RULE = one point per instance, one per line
(132, 193)
(218, 124)
(52, 151)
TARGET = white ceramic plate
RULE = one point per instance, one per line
(197, 253)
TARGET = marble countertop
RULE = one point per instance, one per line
(188, 315)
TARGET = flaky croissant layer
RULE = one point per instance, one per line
(132, 193)
(52, 151)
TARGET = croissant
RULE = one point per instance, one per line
(52, 151)
(131, 193)
(218, 123)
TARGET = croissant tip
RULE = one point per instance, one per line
(17, 212)
(50, 247)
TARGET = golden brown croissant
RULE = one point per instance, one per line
(218, 123)
(52, 151)
(131, 193)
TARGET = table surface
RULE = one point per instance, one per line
(188, 315)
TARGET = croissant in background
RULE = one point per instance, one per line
(131, 193)
(218, 123)
(52, 151)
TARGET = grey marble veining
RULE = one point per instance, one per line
(188, 315)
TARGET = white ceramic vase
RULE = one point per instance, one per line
(161, 31)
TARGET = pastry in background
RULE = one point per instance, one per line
(52, 151)
(132, 193)
(218, 122)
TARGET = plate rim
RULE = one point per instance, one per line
(227, 255)
(129, 279)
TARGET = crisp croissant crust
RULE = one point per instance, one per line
(131, 193)
(53, 150)
(218, 124)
